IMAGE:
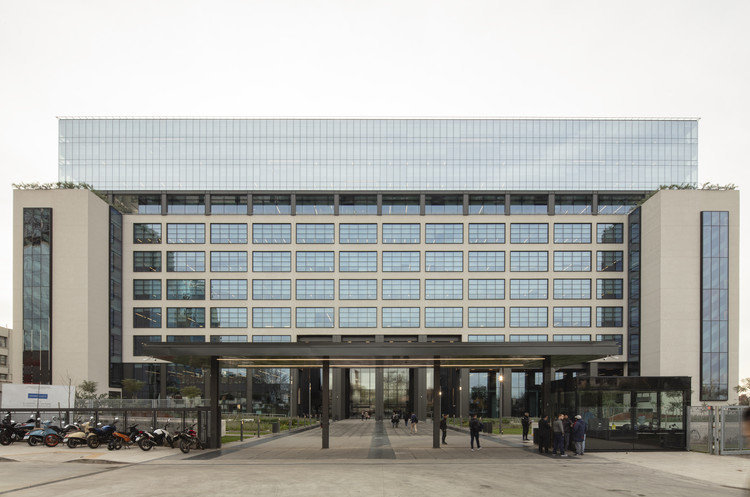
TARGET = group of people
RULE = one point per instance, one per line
(398, 415)
(561, 432)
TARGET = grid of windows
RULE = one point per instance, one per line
(358, 317)
(529, 261)
(528, 338)
(272, 204)
(444, 261)
(229, 261)
(228, 204)
(186, 289)
(400, 204)
(486, 317)
(186, 262)
(529, 233)
(140, 340)
(272, 289)
(571, 338)
(609, 233)
(401, 233)
(400, 261)
(354, 262)
(229, 338)
(186, 317)
(528, 204)
(272, 233)
(443, 317)
(486, 289)
(147, 262)
(272, 262)
(486, 233)
(146, 317)
(228, 233)
(609, 289)
(272, 338)
(400, 289)
(314, 289)
(616, 338)
(228, 289)
(573, 261)
(186, 338)
(609, 260)
(608, 317)
(315, 262)
(444, 204)
(572, 289)
(358, 289)
(573, 204)
(443, 289)
(444, 233)
(572, 233)
(400, 317)
(272, 317)
(186, 204)
(571, 317)
(486, 338)
(315, 233)
(358, 204)
(146, 289)
(487, 204)
(186, 233)
(358, 233)
(229, 317)
(528, 289)
(617, 204)
(528, 317)
(489, 261)
(314, 317)
(314, 204)
(147, 233)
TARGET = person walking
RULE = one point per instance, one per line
(544, 434)
(558, 431)
(475, 427)
(525, 423)
(414, 422)
(579, 433)
(444, 427)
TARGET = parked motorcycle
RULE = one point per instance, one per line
(100, 435)
(77, 437)
(160, 437)
(120, 440)
(188, 439)
(10, 431)
(49, 434)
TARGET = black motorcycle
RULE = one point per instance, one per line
(157, 438)
(10, 431)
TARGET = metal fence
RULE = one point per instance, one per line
(717, 430)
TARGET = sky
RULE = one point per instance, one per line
(344, 58)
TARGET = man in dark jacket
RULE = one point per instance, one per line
(578, 433)
(567, 425)
(525, 423)
(475, 426)
(558, 431)
(444, 427)
(544, 435)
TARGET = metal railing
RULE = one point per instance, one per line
(717, 430)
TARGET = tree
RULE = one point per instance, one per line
(131, 387)
(744, 390)
(87, 390)
(190, 392)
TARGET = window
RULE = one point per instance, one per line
(272, 317)
(608, 317)
(272, 262)
(443, 317)
(147, 317)
(444, 233)
(609, 233)
(572, 233)
(186, 338)
(571, 338)
(486, 289)
(358, 204)
(401, 289)
(228, 233)
(228, 317)
(529, 233)
(358, 233)
(572, 289)
(573, 204)
(186, 233)
(528, 317)
(272, 204)
(400, 261)
(272, 233)
(3, 342)
(186, 204)
(609, 289)
(186, 289)
(315, 233)
(229, 338)
(354, 262)
(314, 204)
(444, 204)
(486, 338)
(315, 262)
(228, 289)
(314, 289)
(272, 338)
(149, 204)
(486, 233)
(487, 204)
(400, 204)
(574, 261)
(528, 338)
(272, 289)
(444, 289)
(400, 317)
(618, 204)
(229, 261)
(146, 233)
(528, 204)
(444, 261)
(186, 262)
(145, 262)
(609, 260)
(486, 317)
(401, 233)
(140, 340)
(528, 261)
(528, 289)
(616, 338)
(571, 317)
(186, 317)
(358, 289)
(358, 317)
(228, 204)
(314, 317)
(146, 290)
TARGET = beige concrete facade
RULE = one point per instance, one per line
(5, 338)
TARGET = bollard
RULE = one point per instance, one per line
(242, 426)
(259, 427)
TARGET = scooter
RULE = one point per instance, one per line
(159, 437)
(77, 437)
(97, 435)
(49, 434)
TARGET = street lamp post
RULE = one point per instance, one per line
(500, 403)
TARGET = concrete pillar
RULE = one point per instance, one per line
(214, 430)
(380, 204)
(326, 404)
(164, 206)
(249, 204)
(436, 410)
(379, 391)
(463, 393)
(207, 201)
(293, 201)
(250, 372)
(335, 204)
(422, 199)
(593, 368)
(551, 204)
(507, 204)
(595, 204)
(466, 204)
(163, 381)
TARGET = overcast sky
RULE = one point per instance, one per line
(372, 58)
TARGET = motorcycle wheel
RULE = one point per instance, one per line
(51, 440)
(5, 439)
(145, 444)
(93, 442)
(118, 444)
(185, 446)
(72, 443)
(33, 441)
(111, 445)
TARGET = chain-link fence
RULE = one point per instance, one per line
(717, 430)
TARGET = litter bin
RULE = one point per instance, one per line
(487, 426)
(275, 427)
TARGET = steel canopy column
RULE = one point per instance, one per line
(547, 387)
(436, 414)
(214, 434)
(326, 403)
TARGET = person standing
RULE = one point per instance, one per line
(444, 427)
(475, 427)
(544, 434)
(414, 422)
(406, 421)
(525, 423)
(558, 431)
(579, 433)
(567, 425)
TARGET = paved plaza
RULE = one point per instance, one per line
(366, 458)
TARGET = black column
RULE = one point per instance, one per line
(547, 387)
(324, 415)
(214, 434)
(436, 404)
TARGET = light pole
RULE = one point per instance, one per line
(500, 402)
